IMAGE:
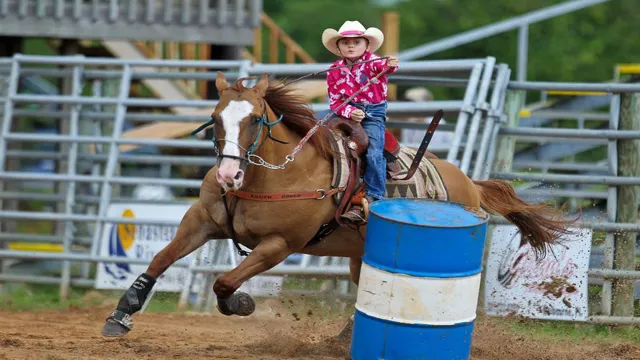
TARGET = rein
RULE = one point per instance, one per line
(250, 155)
(333, 68)
(260, 122)
(289, 158)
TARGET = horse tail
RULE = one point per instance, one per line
(540, 225)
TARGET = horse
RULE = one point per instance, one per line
(285, 205)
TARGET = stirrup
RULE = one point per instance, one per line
(358, 213)
(355, 214)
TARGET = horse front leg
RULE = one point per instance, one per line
(268, 253)
(195, 229)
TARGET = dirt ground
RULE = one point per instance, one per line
(273, 332)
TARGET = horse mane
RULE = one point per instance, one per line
(296, 114)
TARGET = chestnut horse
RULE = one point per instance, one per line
(258, 126)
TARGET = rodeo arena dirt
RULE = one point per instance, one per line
(275, 332)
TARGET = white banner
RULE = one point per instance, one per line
(145, 241)
(552, 288)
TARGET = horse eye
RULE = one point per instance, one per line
(257, 119)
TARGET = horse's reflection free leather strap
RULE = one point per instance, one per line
(284, 196)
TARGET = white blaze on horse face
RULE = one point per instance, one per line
(229, 175)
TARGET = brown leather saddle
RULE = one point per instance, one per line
(356, 142)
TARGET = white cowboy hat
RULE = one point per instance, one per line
(352, 29)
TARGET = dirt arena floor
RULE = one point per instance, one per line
(274, 332)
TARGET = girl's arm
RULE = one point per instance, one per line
(335, 97)
(380, 65)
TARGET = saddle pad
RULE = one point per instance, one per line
(425, 183)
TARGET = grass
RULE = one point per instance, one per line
(42, 297)
(33, 297)
(570, 330)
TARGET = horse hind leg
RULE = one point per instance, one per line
(195, 229)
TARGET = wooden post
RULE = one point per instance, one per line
(274, 36)
(502, 163)
(507, 144)
(257, 43)
(391, 32)
(188, 52)
(204, 53)
(627, 211)
(391, 39)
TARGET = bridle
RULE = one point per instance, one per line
(250, 152)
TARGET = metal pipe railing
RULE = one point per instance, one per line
(569, 179)
(483, 109)
(499, 27)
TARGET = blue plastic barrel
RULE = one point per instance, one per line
(419, 282)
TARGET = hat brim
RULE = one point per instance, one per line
(331, 36)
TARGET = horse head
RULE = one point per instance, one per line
(238, 121)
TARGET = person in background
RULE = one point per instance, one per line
(412, 137)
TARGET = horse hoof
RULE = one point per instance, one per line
(239, 303)
(246, 304)
(113, 329)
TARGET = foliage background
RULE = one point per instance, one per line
(581, 46)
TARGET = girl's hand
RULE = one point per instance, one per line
(357, 115)
(392, 61)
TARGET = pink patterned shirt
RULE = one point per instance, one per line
(342, 83)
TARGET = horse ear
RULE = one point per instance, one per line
(221, 82)
(261, 86)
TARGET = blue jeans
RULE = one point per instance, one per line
(375, 175)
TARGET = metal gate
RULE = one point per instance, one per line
(83, 168)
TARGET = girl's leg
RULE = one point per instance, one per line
(376, 168)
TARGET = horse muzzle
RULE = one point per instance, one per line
(230, 175)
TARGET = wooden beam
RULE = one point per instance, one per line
(391, 30)
(158, 130)
(390, 47)
(273, 46)
(257, 43)
(204, 53)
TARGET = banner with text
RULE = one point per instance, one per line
(551, 288)
(145, 241)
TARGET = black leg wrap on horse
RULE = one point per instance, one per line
(132, 301)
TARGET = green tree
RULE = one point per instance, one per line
(582, 46)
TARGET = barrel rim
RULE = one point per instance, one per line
(468, 323)
(480, 212)
(420, 274)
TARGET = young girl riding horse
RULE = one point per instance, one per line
(355, 44)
